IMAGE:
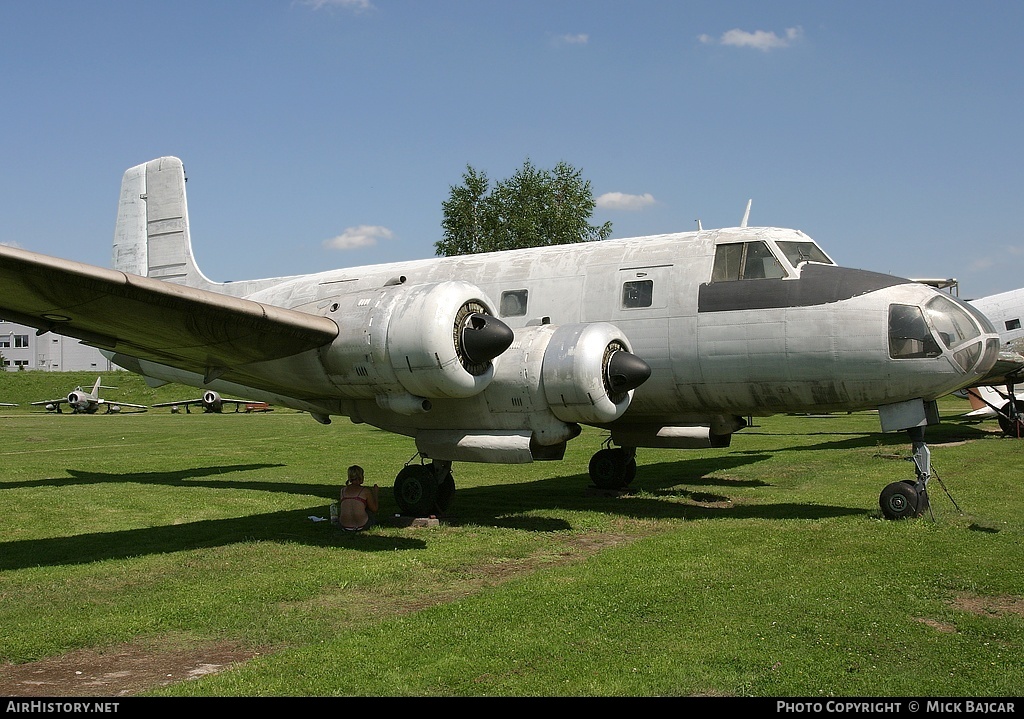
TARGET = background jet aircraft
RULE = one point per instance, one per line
(210, 402)
(663, 341)
(82, 402)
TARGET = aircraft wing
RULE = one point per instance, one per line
(181, 403)
(199, 401)
(7, 404)
(124, 404)
(62, 400)
(141, 317)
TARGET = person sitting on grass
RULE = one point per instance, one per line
(357, 508)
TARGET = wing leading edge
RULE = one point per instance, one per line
(187, 328)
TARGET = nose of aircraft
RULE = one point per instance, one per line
(943, 342)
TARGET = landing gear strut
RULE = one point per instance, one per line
(613, 467)
(909, 498)
(1011, 417)
(425, 489)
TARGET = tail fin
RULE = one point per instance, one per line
(151, 237)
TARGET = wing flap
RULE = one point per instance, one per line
(150, 319)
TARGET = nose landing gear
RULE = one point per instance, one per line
(909, 498)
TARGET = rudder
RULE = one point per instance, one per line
(151, 237)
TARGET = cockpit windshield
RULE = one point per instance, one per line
(797, 252)
(745, 261)
(953, 323)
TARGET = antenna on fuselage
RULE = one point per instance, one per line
(746, 215)
(699, 226)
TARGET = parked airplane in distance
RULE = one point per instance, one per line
(665, 341)
(82, 402)
(996, 398)
(210, 402)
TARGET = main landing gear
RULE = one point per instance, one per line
(1010, 415)
(909, 498)
(613, 467)
(422, 490)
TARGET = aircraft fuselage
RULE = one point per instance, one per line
(814, 338)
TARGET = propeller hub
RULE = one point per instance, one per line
(485, 337)
(626, 371)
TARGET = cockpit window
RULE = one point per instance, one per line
(953, 324)
(745, 261)
(956, 328)
(797, 252)
(909, 336)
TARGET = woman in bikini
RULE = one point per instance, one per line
(357, 508)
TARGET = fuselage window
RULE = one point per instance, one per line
(1012, 324)
(797, 252)
(745, 261)
(909, 336)
(637, 293)
(513, 303)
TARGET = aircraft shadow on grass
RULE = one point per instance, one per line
(664, 485)
(937, 434)
(180, 478)
(665, 495)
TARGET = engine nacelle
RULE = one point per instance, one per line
(589, 373)
(432, 340)
(81, 402)
(211, 401)
(551, 380)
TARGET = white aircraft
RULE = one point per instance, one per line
(997, 398)
(7, 404)
(664, 341)
(210, 402)
(82, 402)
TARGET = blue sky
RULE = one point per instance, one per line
(327, 133)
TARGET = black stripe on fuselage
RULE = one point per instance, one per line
(817, 285)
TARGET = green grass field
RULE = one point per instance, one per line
(759, 570)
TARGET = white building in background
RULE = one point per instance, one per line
(22, 348)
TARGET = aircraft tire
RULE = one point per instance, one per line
(630, 473)
(416, 489)
(899, 500)
(445, 492)
(1011, 427)
(609, 468)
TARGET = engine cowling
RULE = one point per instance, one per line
(551, 380)
(211, 401)
(79, 401)
(589, 373)
(402, 342)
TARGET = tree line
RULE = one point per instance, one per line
(532, 208)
